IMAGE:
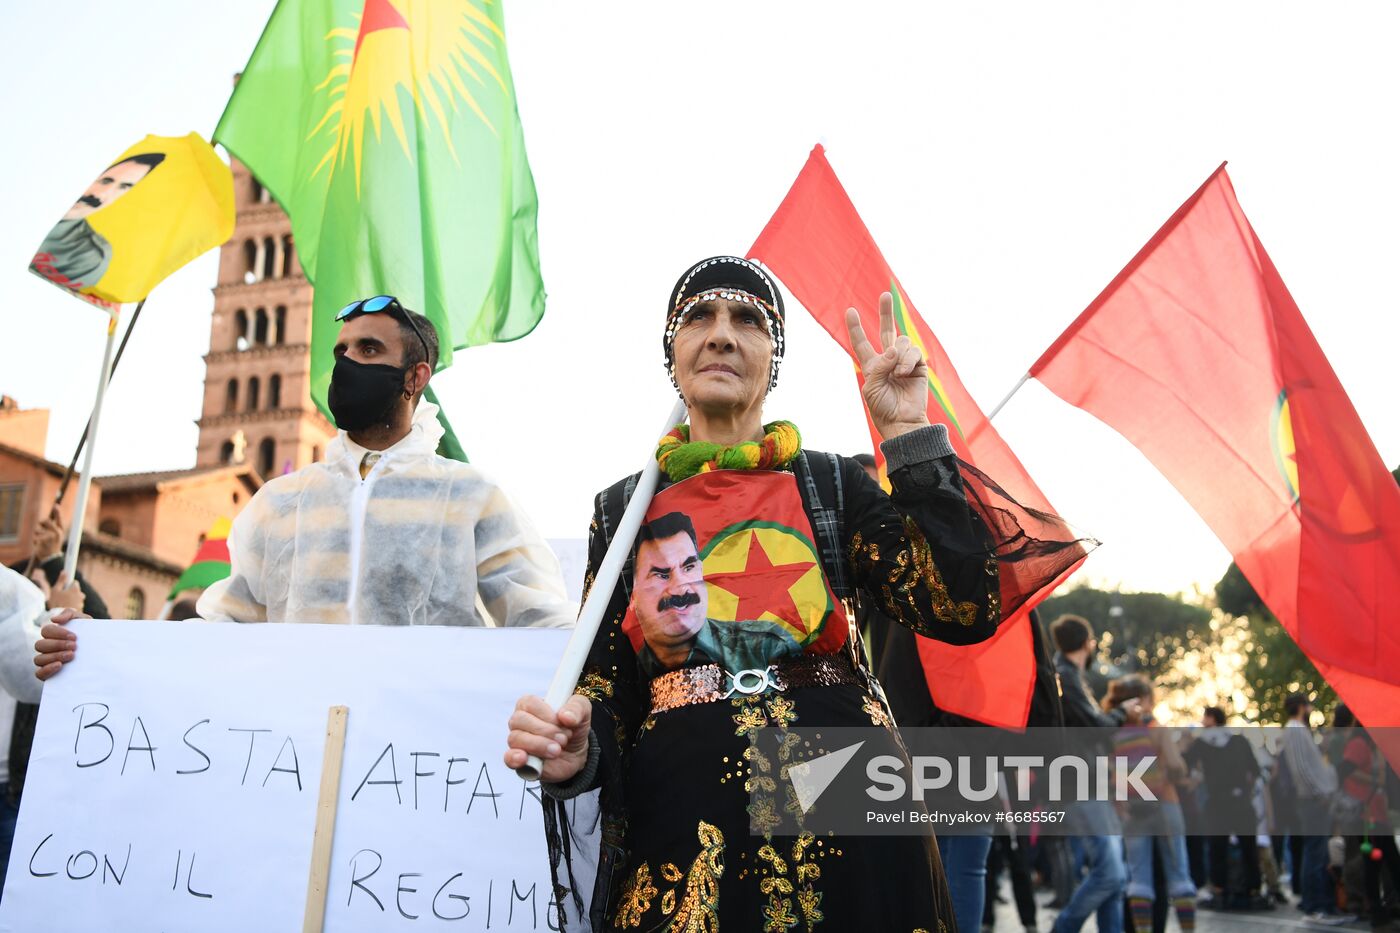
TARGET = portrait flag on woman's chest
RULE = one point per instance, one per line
(820, 248)
(158, 205)
(727, 571)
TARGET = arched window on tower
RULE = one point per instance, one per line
(257, 190)
(231, 397)
(250, 261)
(240, 327)
(267, 457)
(279, 329)
(269, 270)
(253, 387)
(226, 452)
(260, 328)
(136, 604)
(286, 256)
(274, 392)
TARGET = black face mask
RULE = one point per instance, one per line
(363, 394)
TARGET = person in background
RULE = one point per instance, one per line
(46, 566)
(1229, 771)
(1361, 771)
(1010, 850)
(1314, 782)
(23, 608)
(1153, 825)
(45, 571)
(1101, 890)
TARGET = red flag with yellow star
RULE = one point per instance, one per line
(820, 248)
(1197, 354)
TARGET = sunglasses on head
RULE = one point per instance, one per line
(384, 303)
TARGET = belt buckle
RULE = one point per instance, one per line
(751, 681)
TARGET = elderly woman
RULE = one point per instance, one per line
(733, 615)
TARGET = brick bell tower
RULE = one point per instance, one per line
(257, 401)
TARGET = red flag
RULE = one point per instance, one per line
(1197, 354)
(818, 245)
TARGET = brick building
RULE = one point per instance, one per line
(142, 529)
(257, 395)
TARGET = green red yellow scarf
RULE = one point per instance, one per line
(681, 458)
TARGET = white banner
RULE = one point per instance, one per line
(175, 774)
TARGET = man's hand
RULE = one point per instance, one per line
(896, 378)
(559, 740)
(56, 645)
(66, 595)
(48, 537)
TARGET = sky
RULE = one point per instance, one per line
(1009, 158)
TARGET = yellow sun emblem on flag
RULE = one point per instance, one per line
(1285, 453)
(1336, 503)
(430, 48)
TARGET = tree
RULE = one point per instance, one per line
(1153, 634)
(1140, 632)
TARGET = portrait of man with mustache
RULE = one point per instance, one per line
(73, 254)
(671, 603)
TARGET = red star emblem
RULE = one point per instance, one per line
(763, 586)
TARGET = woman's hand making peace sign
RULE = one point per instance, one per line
(896, 378)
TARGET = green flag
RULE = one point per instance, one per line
(388, 130)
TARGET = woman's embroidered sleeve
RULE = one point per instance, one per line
(920, 553)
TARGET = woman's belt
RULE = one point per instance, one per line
(710, 683)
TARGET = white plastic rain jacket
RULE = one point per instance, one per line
(22, 613)
(413, 543)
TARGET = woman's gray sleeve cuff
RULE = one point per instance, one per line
(583, 781)
(923, 446)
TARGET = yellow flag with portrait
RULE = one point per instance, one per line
(160, 204)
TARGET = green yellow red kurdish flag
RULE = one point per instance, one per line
(388, 130)
(211, 561)
(155, 207)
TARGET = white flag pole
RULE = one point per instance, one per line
(75, 530)
(1014, 390)
(604, 582)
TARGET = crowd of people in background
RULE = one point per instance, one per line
(1127, 876)
(1325, 846)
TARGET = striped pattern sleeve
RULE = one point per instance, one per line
(517, 575)
(1312, 775)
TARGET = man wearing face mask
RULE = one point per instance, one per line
(384, 531)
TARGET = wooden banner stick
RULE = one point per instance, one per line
(318, 886)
